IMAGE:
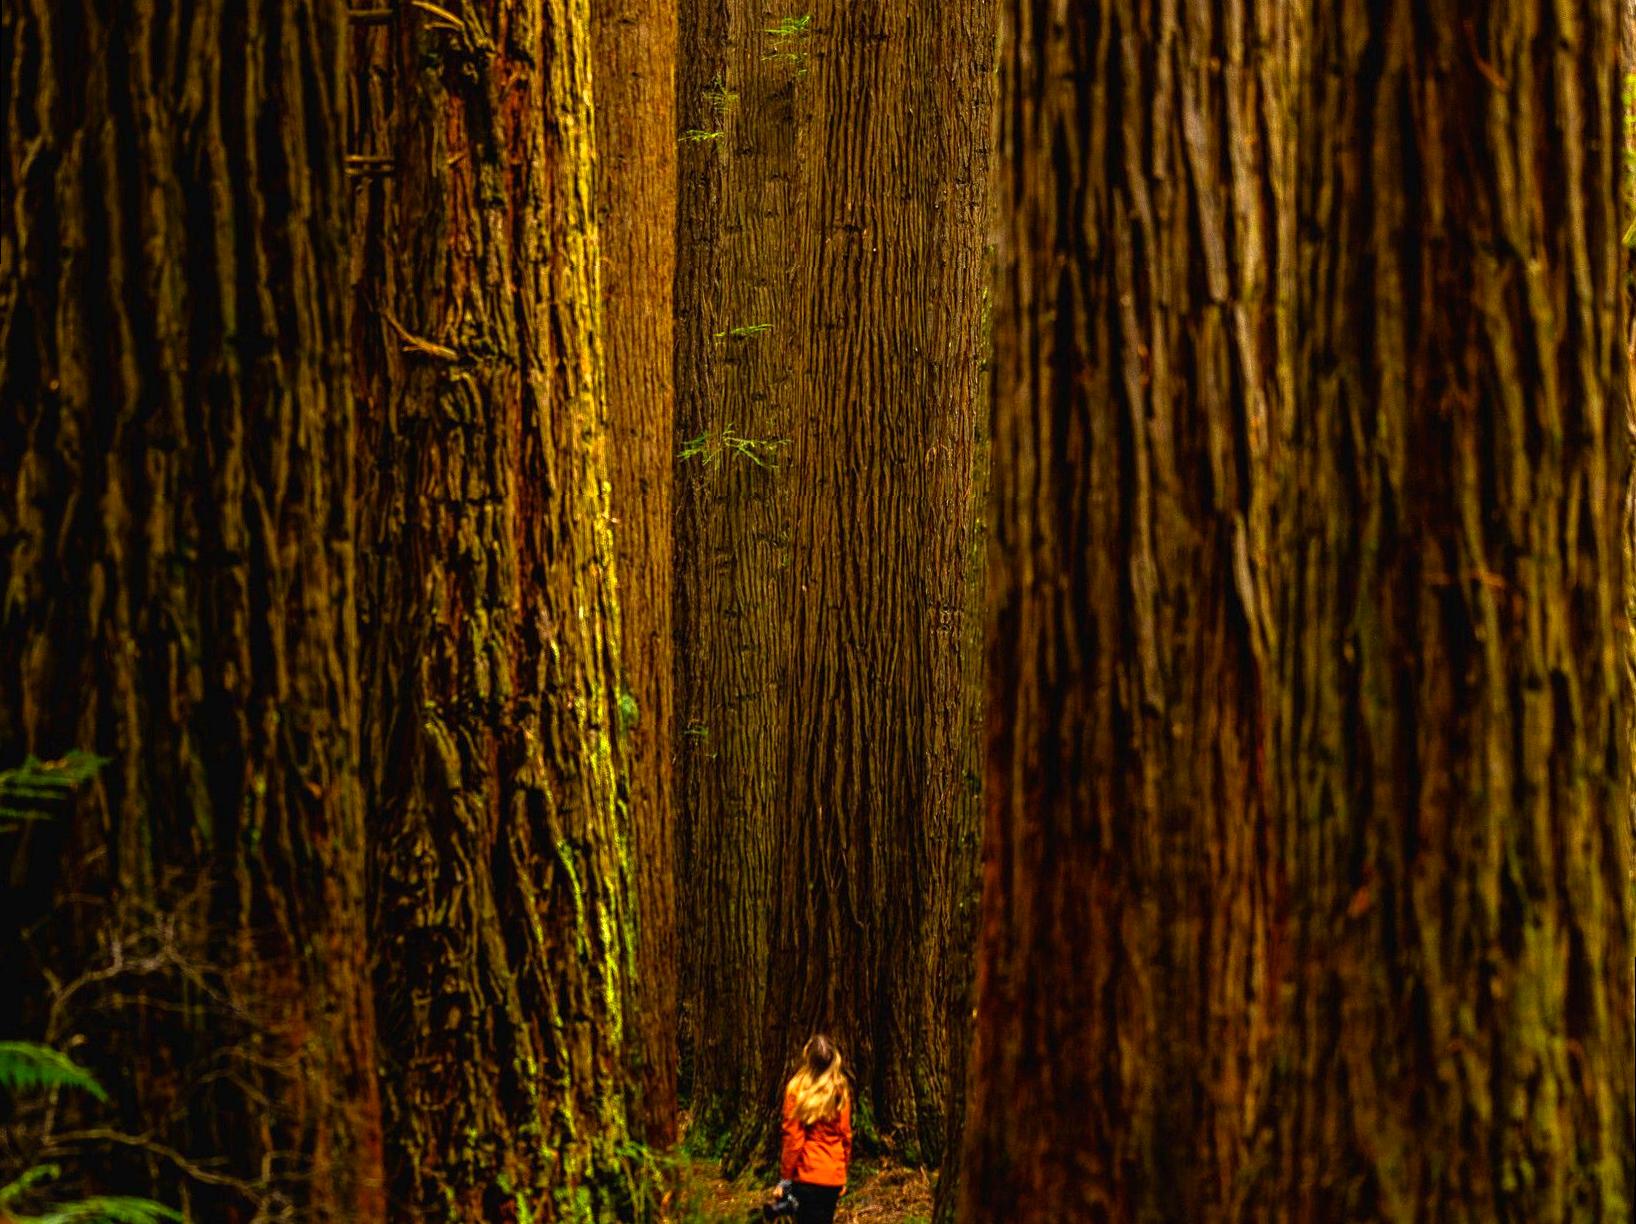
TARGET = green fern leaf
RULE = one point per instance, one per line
(25, 1066)
(107, 1210)
(12, 1191)
(16, 813)
(32, 789)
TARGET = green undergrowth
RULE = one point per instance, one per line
(33, 791)
(787, 34)
(721, 99)
(879, 1191)
(885, 1184)
(698, 1194)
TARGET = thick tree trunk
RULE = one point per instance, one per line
(1460, 1037)
(176, 500)
(635, 54)
(1308, 761)
(832, 271)
(501, 876)
(1143, 346)
(740, 187)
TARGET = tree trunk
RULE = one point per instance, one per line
(176, 505)
(1143, 346)
(1307, 767)
(740, 187)
(501, 875)
(635, 70)
(1459, 1045)
(832, 271)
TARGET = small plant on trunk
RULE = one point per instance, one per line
(711, 445)
(788, 33)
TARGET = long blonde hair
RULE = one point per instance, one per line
(818, 1087)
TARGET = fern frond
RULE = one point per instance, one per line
(14, 1190)
(115, 1209)
(30, 790)
(25, 1066)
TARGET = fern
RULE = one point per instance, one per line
(25, 1065)
(103, 1209)
(12, 1191)
(791, 27)
(32, 789)
(107, 1209)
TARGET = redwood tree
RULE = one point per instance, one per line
(1455, 757)
(635, 72)
(177, 560)
(1143, 361)
(831, 241)
(1307, 894)
(501, 883)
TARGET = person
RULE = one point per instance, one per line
(817, 1132)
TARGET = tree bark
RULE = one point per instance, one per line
(635, 82)
(501, 902)
(1459, 1045)
(740, 185)
(1143, 349)
(1308, 760)
(832, 271)
(176, 501)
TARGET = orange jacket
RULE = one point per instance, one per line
(816, 1154)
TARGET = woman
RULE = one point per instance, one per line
(817, 1132)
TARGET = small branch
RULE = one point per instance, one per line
(442, 15)
(417, 344)
(101, 1134)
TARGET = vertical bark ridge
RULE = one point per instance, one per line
(635, 54)
(883, 342)
(1461, 1042)
(1144, 345)
(822, 607)
(502, 872)
(736, 228)
(176, 484)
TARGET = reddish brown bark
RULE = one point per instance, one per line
(1459, 1042)
(1307, 894)
(635, 54)
(501, 901)
(832, 260)
(177, 561)
(1143, 345)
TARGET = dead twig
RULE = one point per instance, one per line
(419, 344)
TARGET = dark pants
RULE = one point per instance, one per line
(817, 1203)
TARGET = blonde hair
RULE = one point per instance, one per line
(818, 1087)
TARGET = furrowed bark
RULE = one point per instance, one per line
(883, 347)
(635, 69)
(1458, 766)
(1417, 993)
(832, 263)
(739, 189)
(1129, 953)
(502, 878)
(176, 555)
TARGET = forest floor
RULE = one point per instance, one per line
(879, 1192)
